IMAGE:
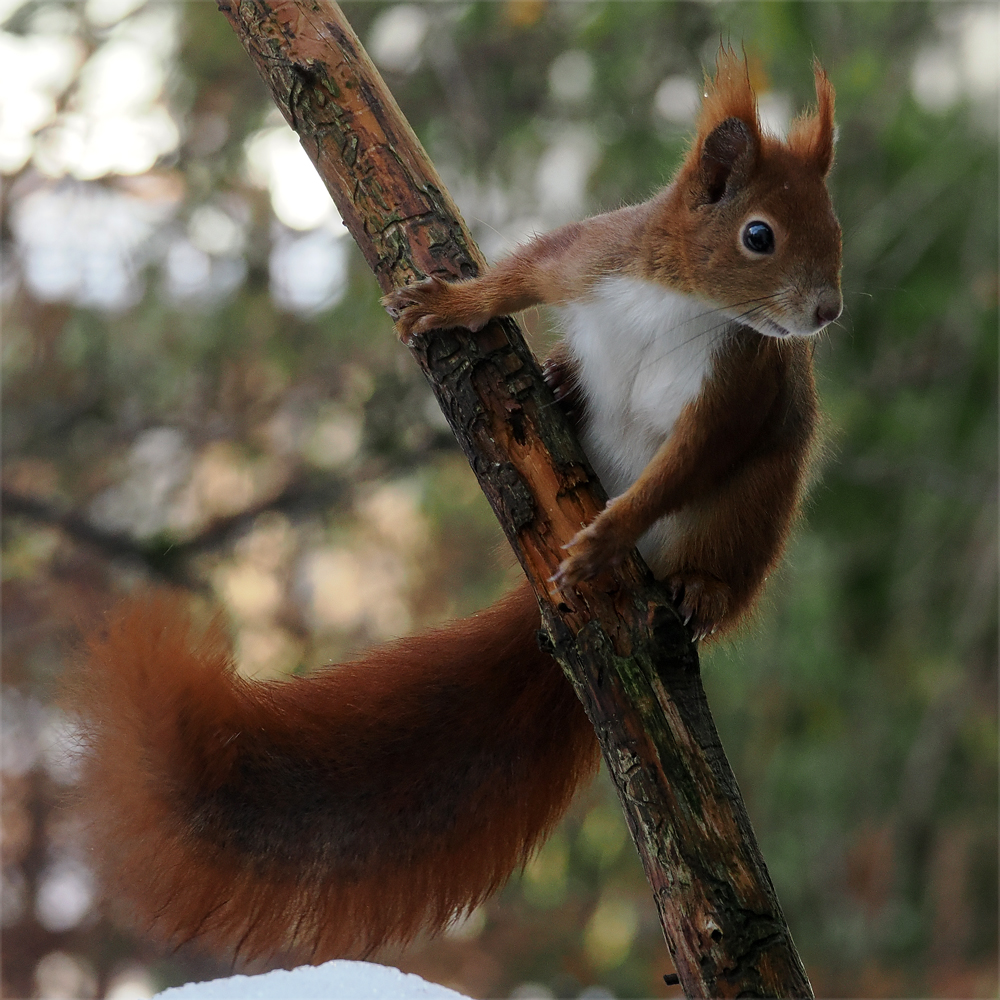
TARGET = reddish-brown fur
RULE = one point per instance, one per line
(678, 238)
(735, 462)
(689, 245)
(331, 814)
(324, 815)
(734, 467)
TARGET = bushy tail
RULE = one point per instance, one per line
(325, 815)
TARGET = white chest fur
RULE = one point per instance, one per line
(643, 353)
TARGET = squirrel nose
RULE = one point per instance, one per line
(828, 308)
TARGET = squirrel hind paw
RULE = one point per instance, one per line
(702, 600)
(561, 377)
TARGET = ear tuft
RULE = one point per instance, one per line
(728, 129)
(726, 151)
(728, 95)
(813, 135)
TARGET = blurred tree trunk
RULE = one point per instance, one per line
(621, 644)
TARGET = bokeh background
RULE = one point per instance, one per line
(201, 390)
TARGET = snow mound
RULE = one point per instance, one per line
(338, 980)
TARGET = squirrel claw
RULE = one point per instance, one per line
(563, 587)
(431, 304)
(592, 550)
(412, 307)
(702, 602)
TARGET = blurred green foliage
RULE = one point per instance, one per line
(307, 460)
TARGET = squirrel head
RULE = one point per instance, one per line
(748, 222)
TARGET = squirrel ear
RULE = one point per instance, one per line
(727, 154)
(813, 136)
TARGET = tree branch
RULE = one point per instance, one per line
(161, 555)
(620, 643)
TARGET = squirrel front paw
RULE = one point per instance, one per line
(597, 547)
(702, 600)
(432, 304)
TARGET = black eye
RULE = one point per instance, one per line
(758, 237)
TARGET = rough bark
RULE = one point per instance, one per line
(619, 641)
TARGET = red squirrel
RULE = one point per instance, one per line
(332, 814)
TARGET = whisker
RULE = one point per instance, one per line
(647, 361)
(761, 301)
(737, 312)
(717, 330)
(509, 243)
